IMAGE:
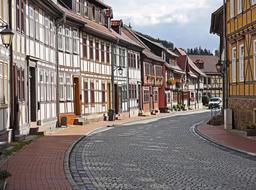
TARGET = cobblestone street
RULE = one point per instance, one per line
(162, 154)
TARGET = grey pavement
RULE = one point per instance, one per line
(163, 154)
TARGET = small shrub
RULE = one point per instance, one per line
(4, 174)
(205, 100)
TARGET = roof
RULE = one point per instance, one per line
(152, 56)
(174, 68)
(131, 34)
(209, 63)
(123, 37)
(158, 45)
(184, 58)
(217, 21)
(90, 26)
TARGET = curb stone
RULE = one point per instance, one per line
(68, 153)
(233, 150)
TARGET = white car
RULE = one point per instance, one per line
(215, 102)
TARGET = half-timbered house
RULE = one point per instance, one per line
(193, 81)
(4, 77)
(37, 83)
(241, 47)
(127, 56)
(96, 41)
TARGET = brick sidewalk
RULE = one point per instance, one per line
(40, 165)
(218, 135)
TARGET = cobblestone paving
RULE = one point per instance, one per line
(158, 155)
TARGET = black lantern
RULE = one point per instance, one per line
(7, 37)
(120, 70)
(219, 66)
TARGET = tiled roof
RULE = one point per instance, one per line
(90, 26)
(122, 36)
(175, 68)
(184, 58)
(209, 63)
(150, 55)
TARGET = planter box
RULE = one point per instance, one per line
(250, 132)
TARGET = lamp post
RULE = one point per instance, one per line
(7, 38)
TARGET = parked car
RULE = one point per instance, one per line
(215, 102)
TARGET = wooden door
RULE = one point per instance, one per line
(77, 96)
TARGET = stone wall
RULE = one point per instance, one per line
(243, 109)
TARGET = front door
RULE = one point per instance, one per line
(32, 94)
(77, 95)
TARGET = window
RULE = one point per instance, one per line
(41, 83)
(241, 63)
(103, 89)
(53, 87)
(60, 38)
(158, 71)
(254, 58)
(132, 91)
(52, 34)
(231, 8)
(91, 48)
(209, 80)
(67, 40)
(20, 20)
(48, 87)
(47, 31)
(108, 53)
(85, 12)
(85, 47)
(78, 6)
(3, 83)
(31, 21)
(239, 6)
(253, 2)
(86, 97)
(68, 88)
(61, 87)
(20, 84)
(92, 93)
(155, 96)
(37, 28)
(75, 41)
(146, 96)
(97, 47)
(102, 52)
(234, 65)
(124, 93)
(138, 61)
(121, 57)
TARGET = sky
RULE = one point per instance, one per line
(185, 23)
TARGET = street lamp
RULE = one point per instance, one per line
(6, 36)
(220, 67)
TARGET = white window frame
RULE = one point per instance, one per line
(232, 8)
(241, 62)
(68, 88)
(75, 41)
(67, 40)
(60, 38)
(61, 87)
(239, 6)
(234, 54)
(4, 83)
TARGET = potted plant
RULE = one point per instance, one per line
(4, 174)
(251, 130)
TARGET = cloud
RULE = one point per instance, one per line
(151, 12)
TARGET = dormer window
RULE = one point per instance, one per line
(85, 9)
(93, 13)
(78, 6)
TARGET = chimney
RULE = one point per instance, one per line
(116, 25)
(109, 16)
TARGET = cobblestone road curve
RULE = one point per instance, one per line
(159, 155)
